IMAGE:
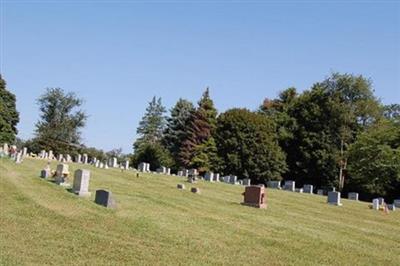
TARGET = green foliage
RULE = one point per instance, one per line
(152, 125)
(154, 154)
(196, 147)
(59, 126)
(374, 161)
(248, 146)
(316, 127)
(177, 127)
(9, 117)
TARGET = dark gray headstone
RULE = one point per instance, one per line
(105, 198)
(180, 186)
(334, 198)
(352, 196)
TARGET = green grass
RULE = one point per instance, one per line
(157, 224)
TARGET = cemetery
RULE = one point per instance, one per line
(104, 202)
(199, 133)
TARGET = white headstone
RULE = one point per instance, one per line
(375, 204)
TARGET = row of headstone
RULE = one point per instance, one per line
(144, 167)
(211, 177)
(164, 170)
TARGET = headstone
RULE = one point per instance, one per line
(94, 160)
(60, 157)
(180, 173)
(209, 176)
(180, 186)
(51, 155)
(308, 188)
(42, 154)
(62, 174)
(334, 198)
(193, 172)
(246, 182)
(126, 166)
(68, 157)
(255, 196)
(162, 170)
(381, 201)
(18, 157)
(5, 149)
(216, 177)
(114, 162)
(320, 192)
(97, 164)
(289, 185)
(105, 166)
(233, 179)
(195, 190)
(274, 184)
(396, 203)
(46, 172)
(375, 204)
(79, 158)
(352, 196)
(391, 207)
(24, 151)
(299, 190)
(105, 198)
(226, 179)
(85, 158)
(81, 183)
(144, 167)
(185, 172)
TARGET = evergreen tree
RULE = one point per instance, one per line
(198, 149)
(248, 146)
(9, 117)
(177, 127)
(152, 125)
(59, 126)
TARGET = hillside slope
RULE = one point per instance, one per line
(155, 223)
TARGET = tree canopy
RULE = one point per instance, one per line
(9, 116)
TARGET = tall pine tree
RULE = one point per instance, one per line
(177, 127)
(9, 117)
(152, 125)
(199, 150)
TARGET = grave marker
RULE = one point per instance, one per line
(334, 198)
(105, 198)
(255, 196)
(81, 183)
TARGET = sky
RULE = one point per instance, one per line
(117, 55)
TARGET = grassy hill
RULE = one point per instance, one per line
(155, 223)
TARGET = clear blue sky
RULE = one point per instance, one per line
(118, 55)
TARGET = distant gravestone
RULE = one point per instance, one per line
(216, 177)
(81, 183)
(299, 190)
(352, 196)
(114, 162)
(334, 198)
(391, 207)
(24, 151)
(126, 166)
(233, 179)
(45, 173)
(226, 179)
(308, 188)
(180, 173)
(144, 167)
(68, 157)
(78, 158)
(85, 158)
(195, 190)
(320, 192)
(50, 155)
(209, 176)
(105, 198)
(62, 173)
(396, 203)
(246, 182)
(60, 157)
(18, 157)
(290, 185)
(375, 204)
(180, 186)
(274, 184)
(193, 172)
(381, 201)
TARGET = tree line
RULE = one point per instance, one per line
(336, 133)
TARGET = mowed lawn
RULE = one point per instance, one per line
(157, 224)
